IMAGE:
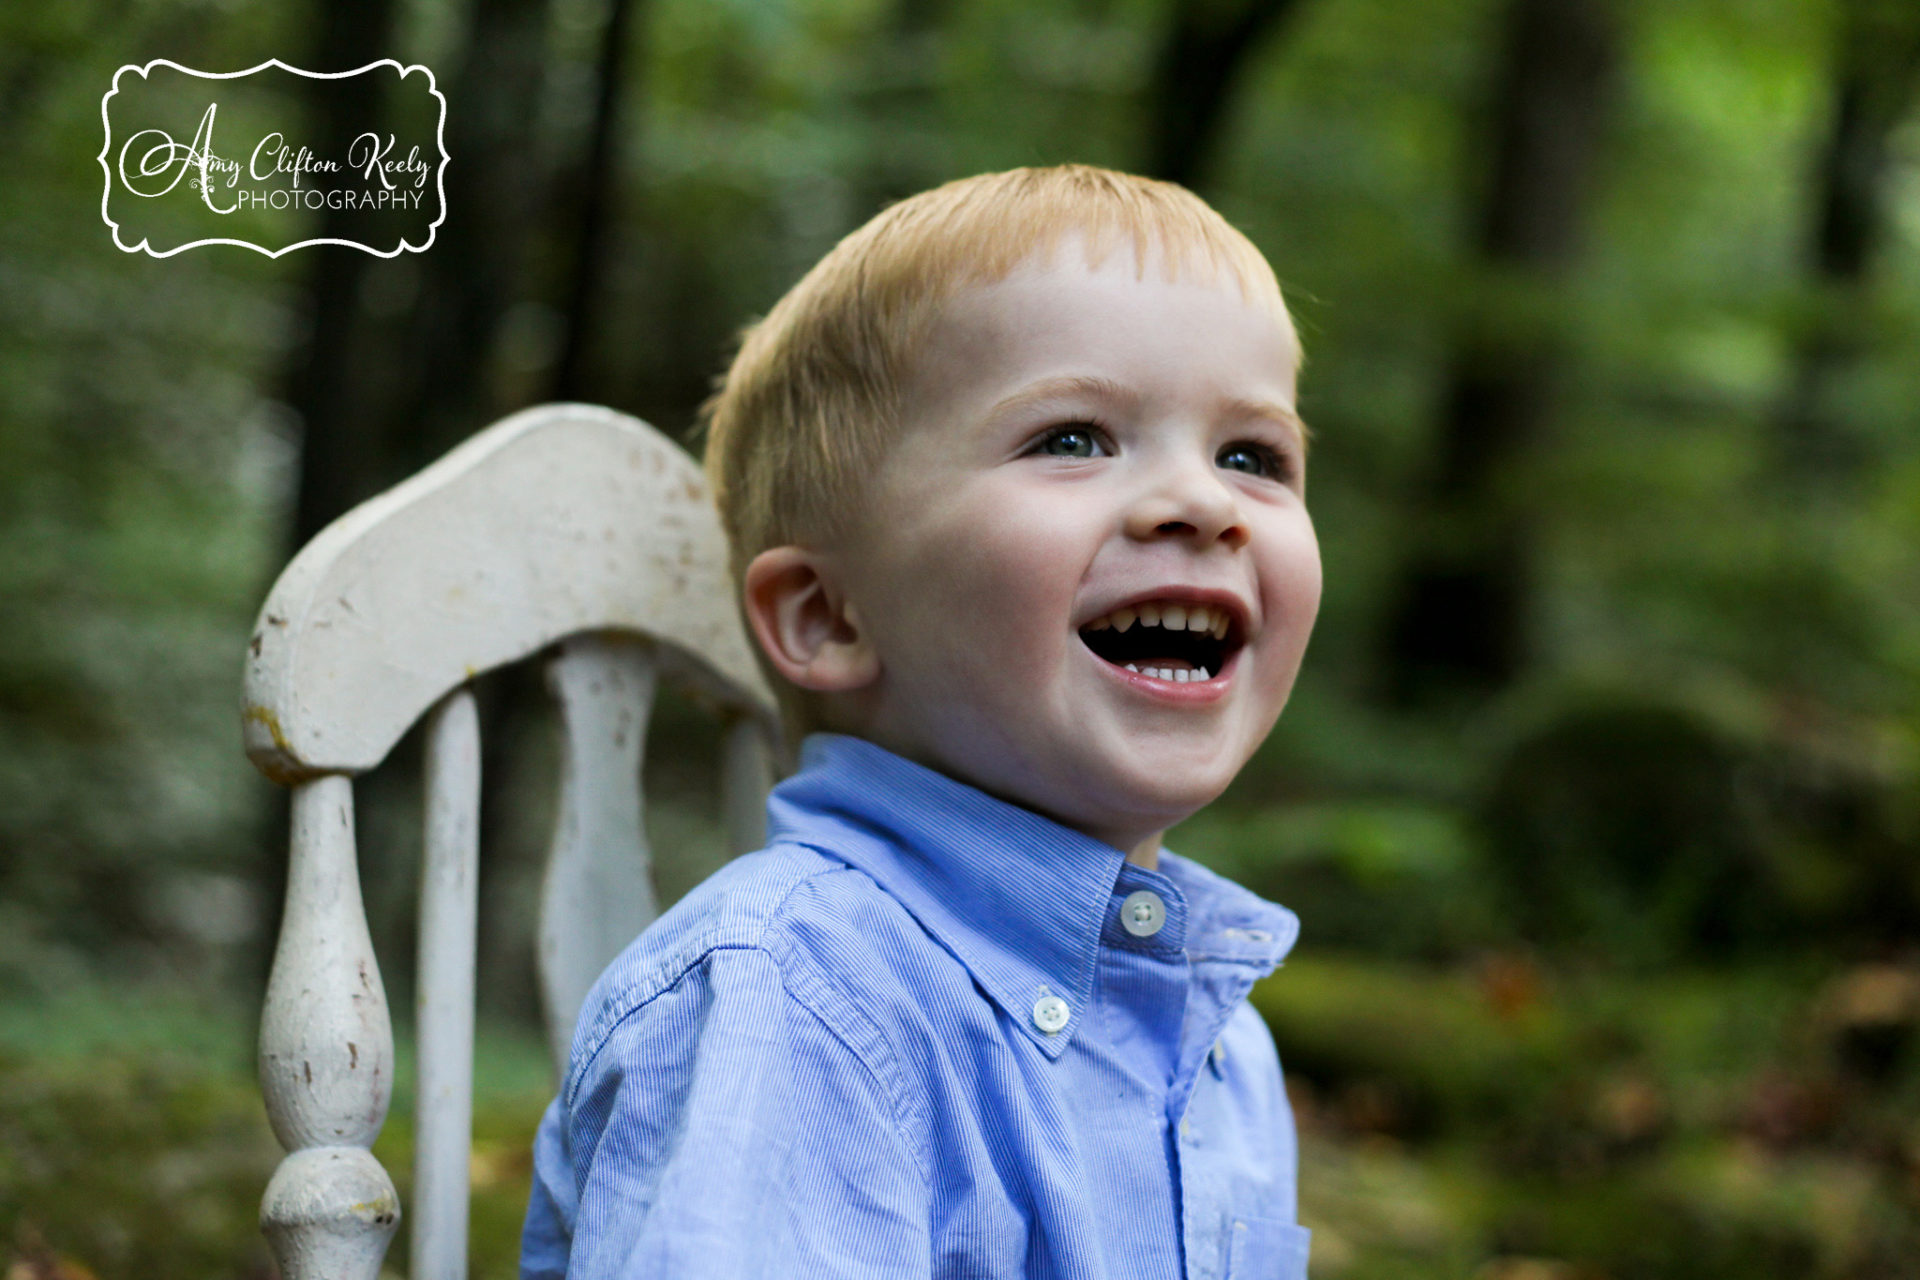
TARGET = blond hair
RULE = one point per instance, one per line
(812, 399)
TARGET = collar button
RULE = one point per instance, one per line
(1142, 913)
(1050, 1013)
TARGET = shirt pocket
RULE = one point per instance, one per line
(1267, 1249)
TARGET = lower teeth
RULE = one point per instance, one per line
(1171, 676)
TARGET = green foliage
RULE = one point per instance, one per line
(139, 468)
(1489, 1120)
(133, 1141)
(1621, 826)
(173, 1198)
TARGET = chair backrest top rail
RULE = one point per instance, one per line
(558, 520)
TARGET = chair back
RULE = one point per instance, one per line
(568, 530)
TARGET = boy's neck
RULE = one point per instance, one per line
(1147, 853)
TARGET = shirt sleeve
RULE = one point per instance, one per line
(725, 1131)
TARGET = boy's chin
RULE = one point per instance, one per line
(1168, 773)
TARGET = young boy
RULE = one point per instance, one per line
(1014, 486)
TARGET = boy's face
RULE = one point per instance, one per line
(1080, 450)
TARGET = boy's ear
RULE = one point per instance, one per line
(805, 624)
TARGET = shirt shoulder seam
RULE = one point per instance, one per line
(668, 974)
(816, 992)
(812, 989)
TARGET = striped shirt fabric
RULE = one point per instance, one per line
(926, 1033)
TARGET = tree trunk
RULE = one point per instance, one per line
(339, 445)
(596, 188)
(1877, 72)
(1194, 79)
(1458, 625)
(497, 191)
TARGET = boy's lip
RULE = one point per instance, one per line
(1239, 615)
(1239, 628)
(1191, 694)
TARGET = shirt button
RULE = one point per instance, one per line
(1142, 913)
(1050, 1013)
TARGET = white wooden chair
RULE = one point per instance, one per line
(568, 529)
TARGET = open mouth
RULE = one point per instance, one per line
(1177, 641)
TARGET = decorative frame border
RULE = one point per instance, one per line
(439, 140)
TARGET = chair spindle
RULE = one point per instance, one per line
(598, 891)
(326, 1056)
(746, 775)
(443, 1004)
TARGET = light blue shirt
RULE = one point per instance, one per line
(926, 1033)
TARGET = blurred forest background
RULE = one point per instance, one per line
(1599, 796)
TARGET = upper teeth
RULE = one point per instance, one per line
(1165, 613)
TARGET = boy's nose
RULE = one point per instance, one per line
(1188, 503)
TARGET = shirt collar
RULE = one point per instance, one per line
(1017, 898)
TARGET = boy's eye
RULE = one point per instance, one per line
(1254, 459)
(1070, 442)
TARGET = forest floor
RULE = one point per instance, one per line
(1496, 1121)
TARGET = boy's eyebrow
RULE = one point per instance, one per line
(1092, 388)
